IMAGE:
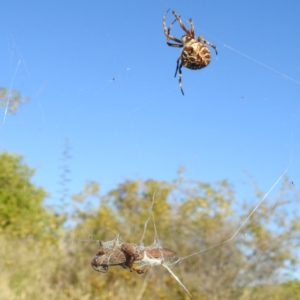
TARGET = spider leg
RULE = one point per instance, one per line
(170, 37)
(178, 68)
(204, 41)
(180, 81)
(192, 32)
(164, 21)
(168, 30)
(175, 45)
(180, 22)
(177, 65)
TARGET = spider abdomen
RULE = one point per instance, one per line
(195, 55)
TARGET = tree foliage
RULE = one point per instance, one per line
(21, 202)
(11, 99)
(200, 221)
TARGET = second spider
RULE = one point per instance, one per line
(195, 54)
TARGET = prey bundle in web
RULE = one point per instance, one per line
(134, 257)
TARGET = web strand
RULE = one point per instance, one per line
(262, 64)
(178, 280)
(149, 216)
(242, 225)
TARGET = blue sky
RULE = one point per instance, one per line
(241, 113)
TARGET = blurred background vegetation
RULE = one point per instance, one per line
(45, 251)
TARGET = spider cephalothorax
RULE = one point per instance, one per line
(195, 54)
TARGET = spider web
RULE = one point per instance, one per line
(113, 246)
(117, 83)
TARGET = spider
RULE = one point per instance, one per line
(195, 54)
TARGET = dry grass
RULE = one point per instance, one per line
(31, 270)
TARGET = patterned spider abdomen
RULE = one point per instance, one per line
(195, 55)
